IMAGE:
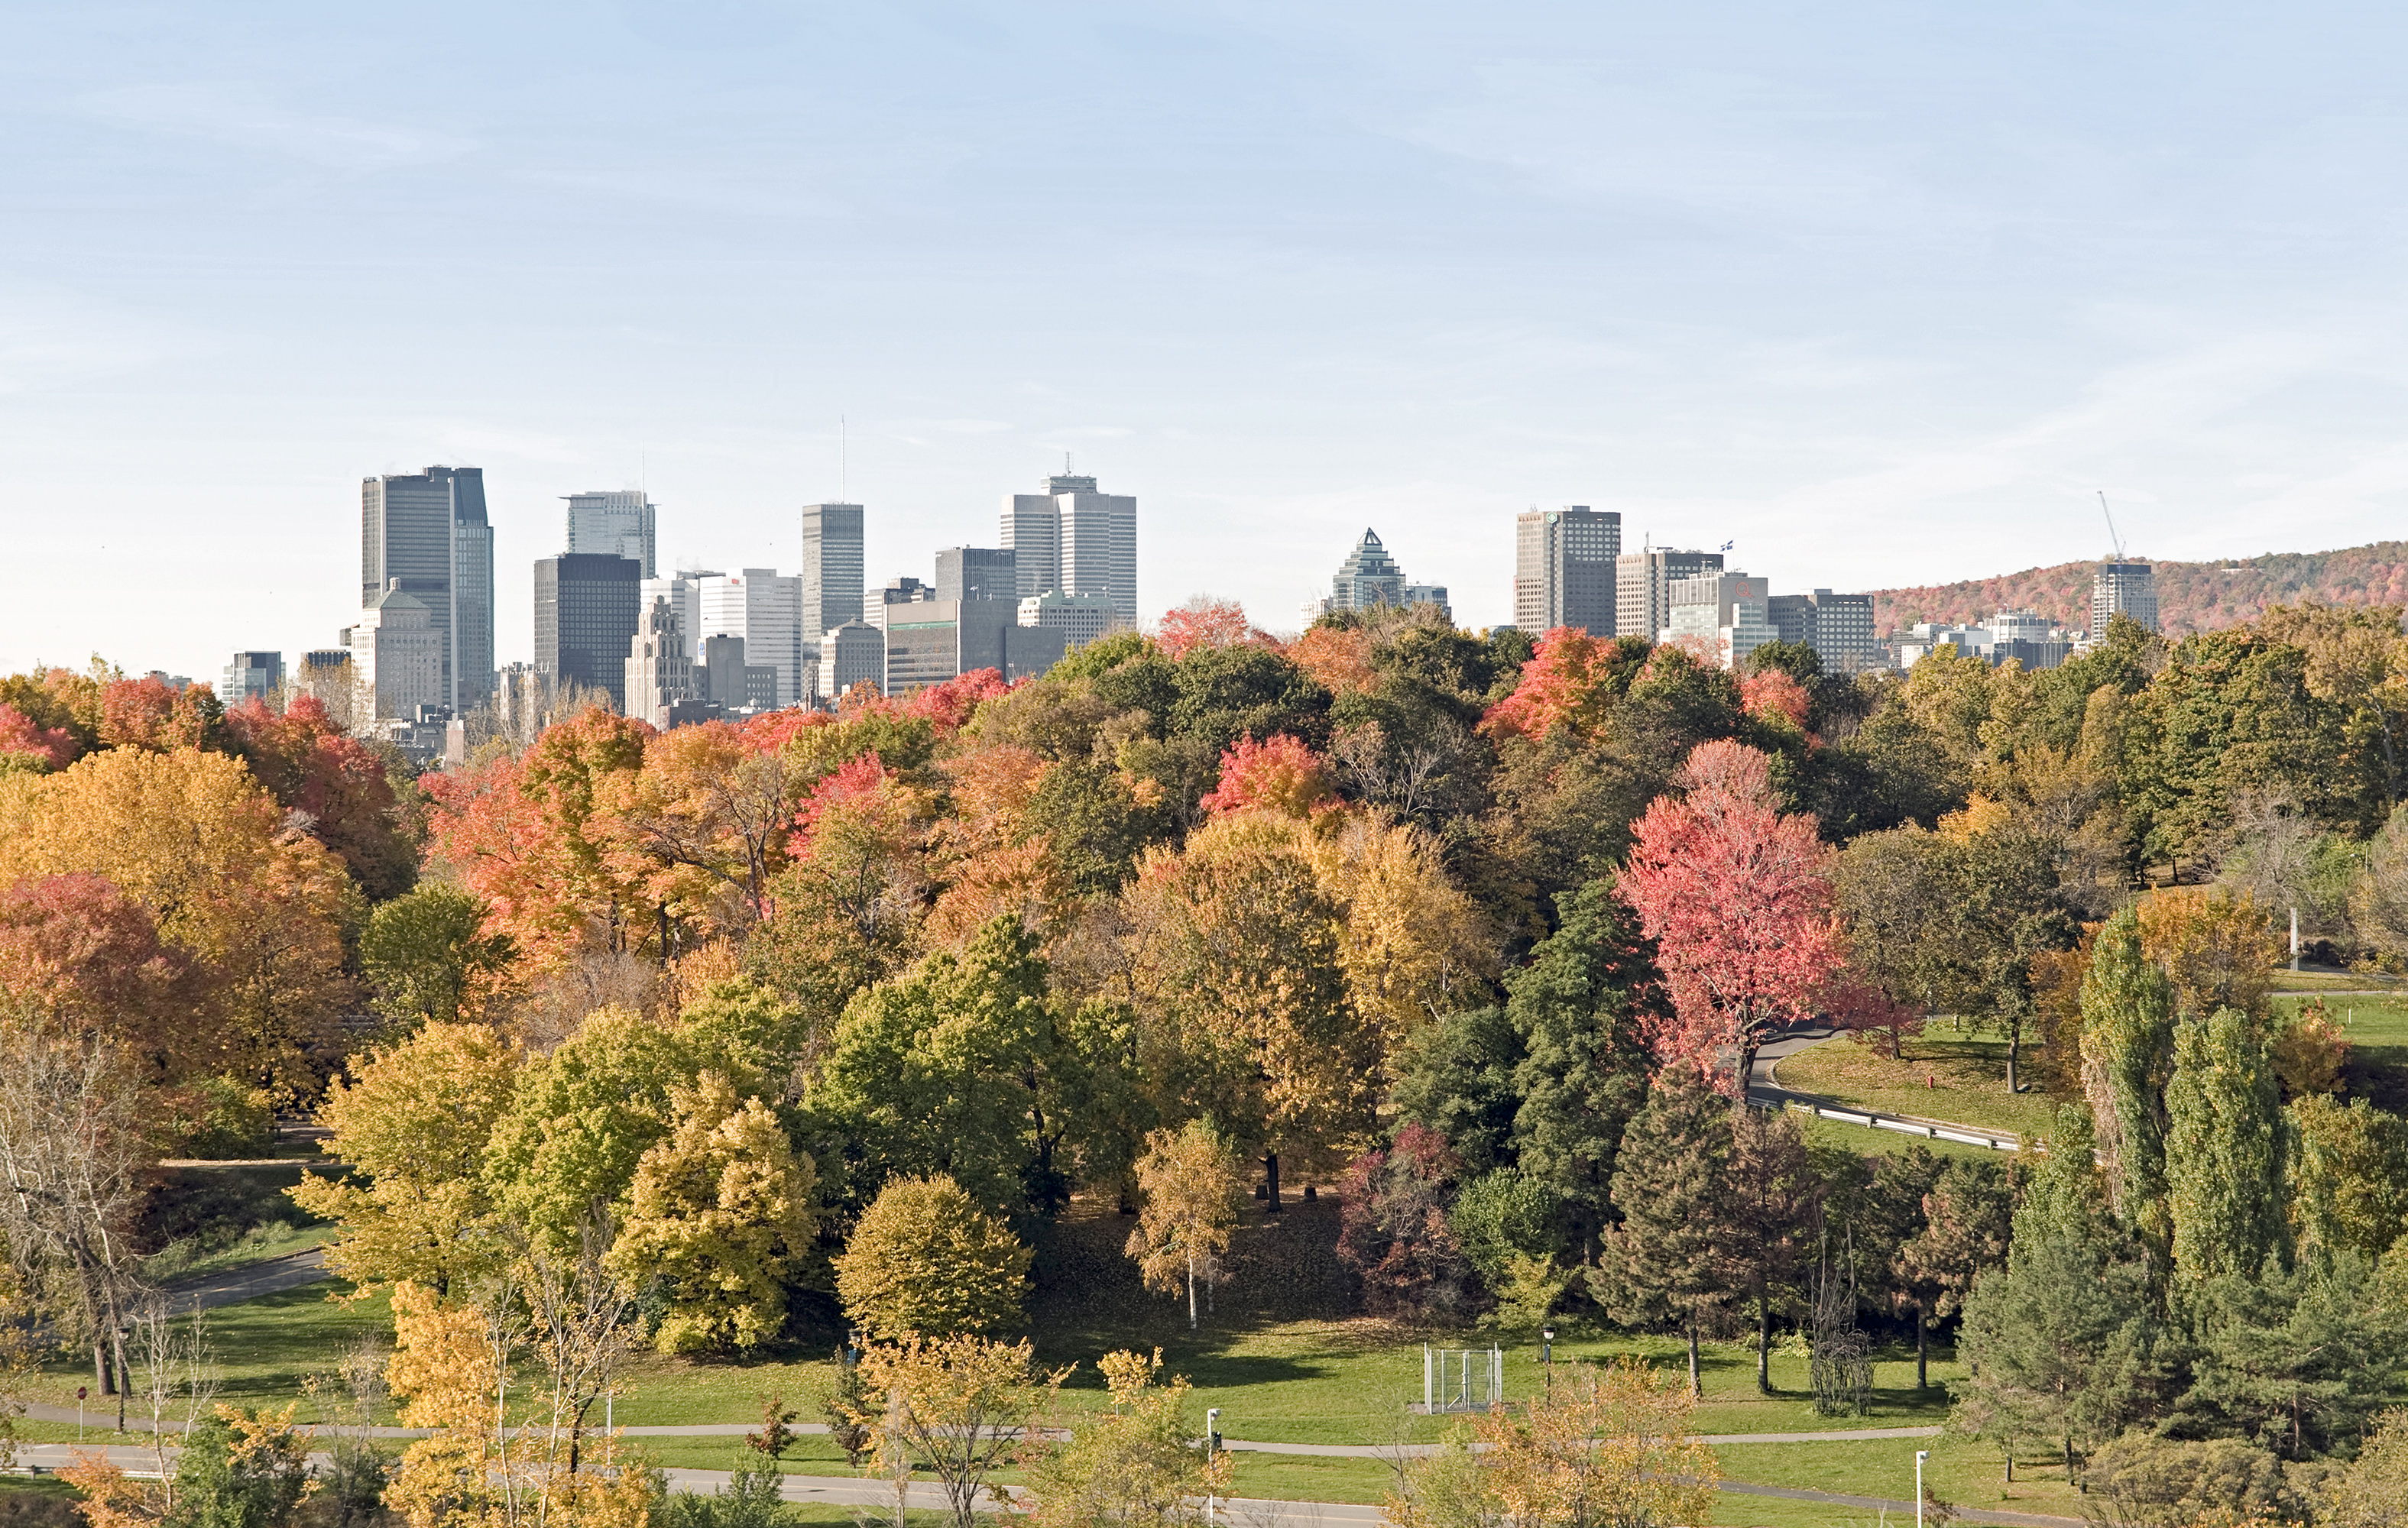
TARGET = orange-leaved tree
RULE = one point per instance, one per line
(1572, 681)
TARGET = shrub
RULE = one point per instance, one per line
(926, 1260)
(217, 1118)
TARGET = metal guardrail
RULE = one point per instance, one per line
(1908, 1127)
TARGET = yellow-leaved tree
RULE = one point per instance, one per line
(927, 1261)
(1133, 1465)
(1190, 1183)
(479, 1466)
(414, 1122)
(956, 1406)
(192, 837)
(721, 1213)
(1600, 1447)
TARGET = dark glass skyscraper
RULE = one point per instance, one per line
(586, 605)
(429, 530)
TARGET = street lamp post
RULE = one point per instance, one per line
(1547, 1355)
(1920, 1455)
(1211, 1442)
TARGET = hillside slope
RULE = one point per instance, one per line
(2191, 597)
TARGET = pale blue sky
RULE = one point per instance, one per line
(1881, 292)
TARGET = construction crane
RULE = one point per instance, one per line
(2113, 538)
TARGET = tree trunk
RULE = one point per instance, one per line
(1697, 1385)
(100, 1375)
(1270, 1182)
(1191, 1291)
(2011, 1464)
(2015, 1044)
(1922, 1347)
(1763, 1345)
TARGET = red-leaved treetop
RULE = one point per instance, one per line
(310, 765)
(87, 957)
(948, 706)
(1204, 622)
(1737, 897)
(1774, 693)
(1279, 774)
(145, 713)
(49, 747)
(1570, 680)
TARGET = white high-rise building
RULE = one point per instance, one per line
(765, 609)
(850, 654)
(1080, 618)
(397, 656)
(619, 523)
(1725, 616)
(684, 591)
(2122, 589)
(1076, 539)
(660, 666)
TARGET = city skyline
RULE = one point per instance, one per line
(1882, 304)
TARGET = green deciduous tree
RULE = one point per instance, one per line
(1135, 1465)
(414, 1121)
(1456, 1077)
(563, 1153)
(966, 1068)
(240, 1469)
(2127, 1017)
(2348, 1188)
(926, 1259)
(429, 959)
(721, 1213)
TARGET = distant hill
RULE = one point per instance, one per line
(2191, 597)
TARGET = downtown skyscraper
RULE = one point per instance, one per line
(429, 530)
(621, 522)
(1074, 539)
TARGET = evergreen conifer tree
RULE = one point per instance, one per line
(1669, 1256)
(1578, 1006)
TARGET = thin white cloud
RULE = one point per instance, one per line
(243, 115)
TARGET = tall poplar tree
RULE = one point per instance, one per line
(2127, 1015)
(2224, 1148)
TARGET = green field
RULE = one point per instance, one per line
(1939, 1076)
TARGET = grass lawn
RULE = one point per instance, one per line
(2377, 1029)
(1967, 1081)
(264, 1348)
(2287, 980)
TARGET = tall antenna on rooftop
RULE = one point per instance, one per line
(2113, 538)
(843, 461)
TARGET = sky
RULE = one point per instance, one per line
(1882, 293)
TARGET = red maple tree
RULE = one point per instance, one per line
(1280, 773)
(1571, 681)
(52, 747)
(1207, 622)
(1737, 895)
